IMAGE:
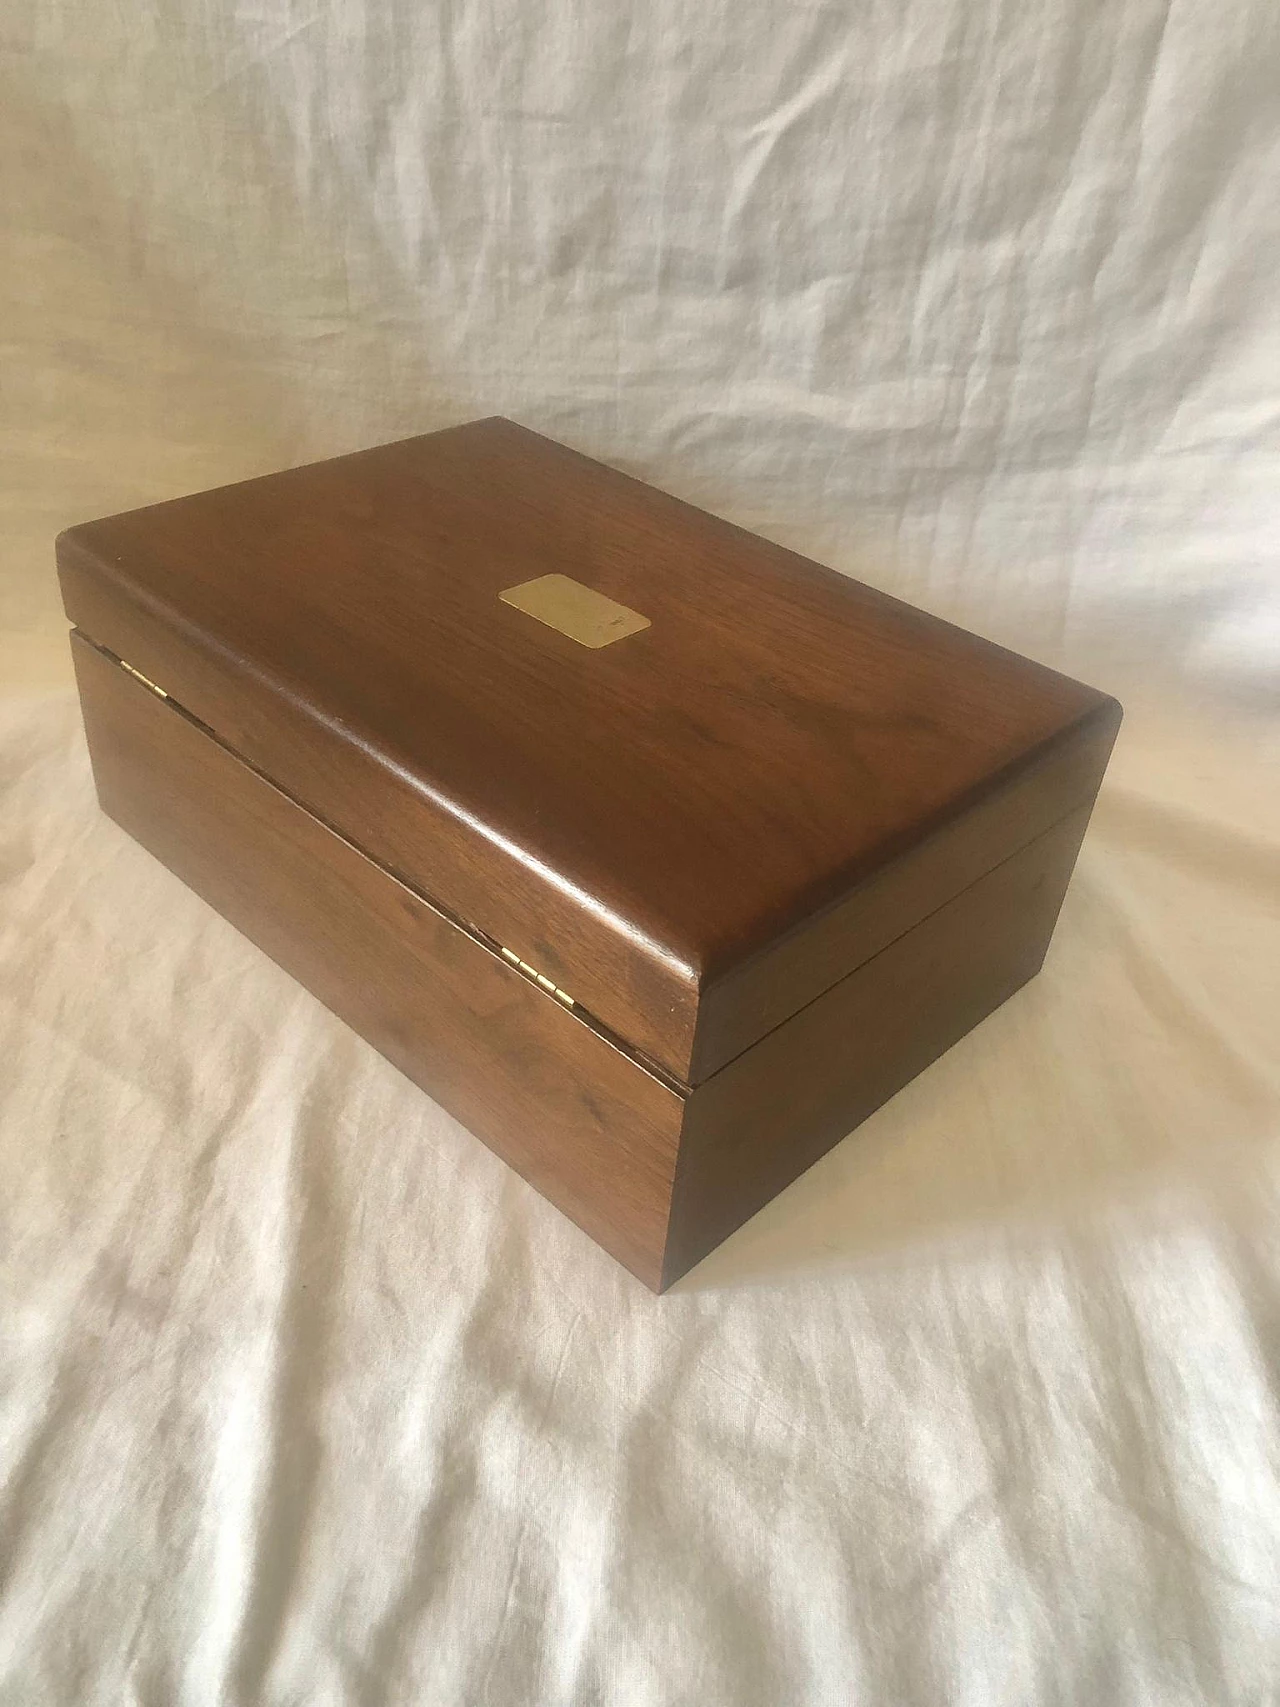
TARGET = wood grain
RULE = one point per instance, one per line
(668, 827)
(587, 1127)
(758, 995)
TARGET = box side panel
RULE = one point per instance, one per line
(347, 781)
(760, 1122)
(587, 1127)
(764, 991)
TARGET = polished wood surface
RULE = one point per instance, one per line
(587, 1127)
(656, 1174)
(685, 829)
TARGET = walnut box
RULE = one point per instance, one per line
(659, 855)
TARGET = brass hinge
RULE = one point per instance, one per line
(544, 983)
(145, 680)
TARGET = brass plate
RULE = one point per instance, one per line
(580, 612)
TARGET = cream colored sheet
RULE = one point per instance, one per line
(304, 1398)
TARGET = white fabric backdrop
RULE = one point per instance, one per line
(303, 1397)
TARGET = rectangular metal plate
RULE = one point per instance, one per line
(580, 612)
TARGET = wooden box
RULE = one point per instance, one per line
(659, 855)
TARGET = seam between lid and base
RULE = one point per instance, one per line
(1016, 772)
(509, 957)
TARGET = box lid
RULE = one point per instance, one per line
(692, 796)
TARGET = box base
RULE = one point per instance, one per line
(657, 1173)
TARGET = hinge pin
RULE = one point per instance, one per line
(145, 680)
(539, 978)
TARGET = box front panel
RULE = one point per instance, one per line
(590, 1129)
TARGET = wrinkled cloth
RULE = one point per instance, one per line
(304, 1396)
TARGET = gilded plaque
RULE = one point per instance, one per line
(580, 612)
